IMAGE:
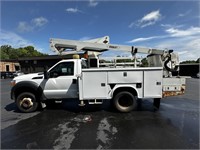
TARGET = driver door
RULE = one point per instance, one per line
(62, 83)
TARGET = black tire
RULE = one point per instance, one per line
(23, 102)
(125, 101)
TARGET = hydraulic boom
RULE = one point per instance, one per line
(156, 57)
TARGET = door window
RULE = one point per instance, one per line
(62, 69)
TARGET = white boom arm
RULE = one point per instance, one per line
(60, 45)
(166, 58)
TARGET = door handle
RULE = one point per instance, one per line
(103, 84)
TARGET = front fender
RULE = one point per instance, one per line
(26, 86)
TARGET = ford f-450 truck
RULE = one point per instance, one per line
(72, 78)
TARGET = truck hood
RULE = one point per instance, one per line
(30, 76)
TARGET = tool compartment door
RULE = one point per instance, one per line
(153, 83)
(125, 77)
(93, 85)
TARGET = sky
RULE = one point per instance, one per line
(154, 24)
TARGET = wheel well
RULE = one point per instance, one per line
(129, 89)
(25, 89)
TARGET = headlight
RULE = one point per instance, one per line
(12, 83)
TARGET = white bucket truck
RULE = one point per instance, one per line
(85, 80)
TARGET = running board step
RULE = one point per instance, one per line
(95, 101)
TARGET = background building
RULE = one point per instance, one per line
(9, 65)
(189, 69)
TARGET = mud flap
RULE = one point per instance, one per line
(43, 105)
(156, 103)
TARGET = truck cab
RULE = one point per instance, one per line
(59, 82)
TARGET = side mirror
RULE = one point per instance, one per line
(46, 75)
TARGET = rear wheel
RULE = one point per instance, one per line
(26, 102)
(125, 101)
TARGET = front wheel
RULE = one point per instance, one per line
(26, 102)
(125, 101)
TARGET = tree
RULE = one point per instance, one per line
(7, 52)
(4, 55)
(198, 60)
(23, 52)
(188, 62)
(144, 62)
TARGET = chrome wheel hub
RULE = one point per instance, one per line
(26, 103)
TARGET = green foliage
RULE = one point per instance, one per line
(104, 61)
(7, 52)
(144, 62)
(4, 56)
(126, 60)
(188, 62)
(198, 60)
